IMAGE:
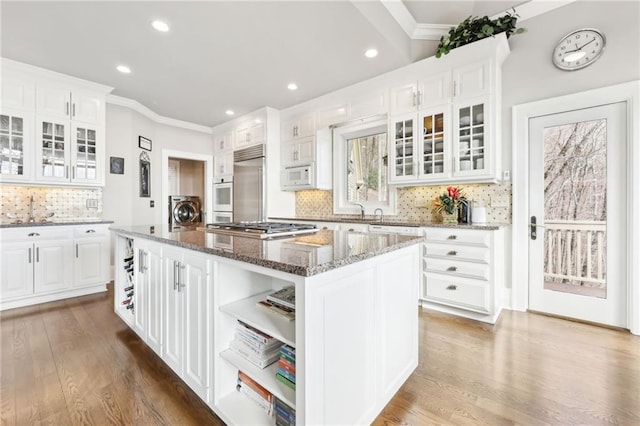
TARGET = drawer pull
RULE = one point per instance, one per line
(452, 268)
(452, 287)
(89, 231)
(452, 253)
(452, 237)
(33, 234)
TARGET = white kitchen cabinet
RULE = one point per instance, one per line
(298, 127)
(472, 80)
(148, 291)
(473, 149)
(249, 133)
(91, 263)
(63, 125)
(46, 264)
(223, 141)
(402, 148)
(16, 145)
(332, 115)
(299, 151)
(463, 272)
(223, 166)
(187, 325)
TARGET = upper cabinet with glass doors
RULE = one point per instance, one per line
(445, 125)
(54, 129)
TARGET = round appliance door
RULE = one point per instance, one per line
(186, 212)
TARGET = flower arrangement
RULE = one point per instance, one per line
(449, 201)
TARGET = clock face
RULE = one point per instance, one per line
(578, 49)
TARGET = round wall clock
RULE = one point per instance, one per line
(578, 49)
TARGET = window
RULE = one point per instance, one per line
(360, 168)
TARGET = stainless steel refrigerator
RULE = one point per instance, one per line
(249, 185)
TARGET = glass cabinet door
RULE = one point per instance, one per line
(434, 137)
(471, 137)
(402, 160)
(52, 162)
(86, 167)
(13, 147)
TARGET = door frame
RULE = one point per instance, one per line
(625, 92)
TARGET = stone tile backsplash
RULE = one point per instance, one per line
(65, 203)
(414, 203)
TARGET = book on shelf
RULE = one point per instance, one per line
(259, 360)
(285, 415)
(286, 381)
(257, 347)
(289, 352)
(287, 365)
(286, 296)
(287, 375)
(255, 334)
(275, 308)
(255, 391)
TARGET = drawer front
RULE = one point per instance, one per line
(90, 231)
(456, 252)
(455, 267)
(459, 292)
(36, 233)
(458, 236)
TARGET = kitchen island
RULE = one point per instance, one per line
(355, 331)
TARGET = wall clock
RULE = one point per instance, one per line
(578, 49)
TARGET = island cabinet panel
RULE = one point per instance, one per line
(148, 292)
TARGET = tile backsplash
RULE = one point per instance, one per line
(63, 202)
(414, 202)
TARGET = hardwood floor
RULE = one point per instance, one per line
(75, 362)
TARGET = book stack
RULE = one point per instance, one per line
(285, 415)
(286, 372)
(257, 347)
(249, 387)
(281, 302)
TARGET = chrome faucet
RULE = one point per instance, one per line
(32, 218)
(375, 212)
(361, 210)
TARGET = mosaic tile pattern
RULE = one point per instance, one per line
(65, 203)
(414, 203)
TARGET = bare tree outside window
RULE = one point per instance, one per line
(575, 192)
(367, 173)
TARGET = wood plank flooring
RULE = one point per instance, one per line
(75, 362)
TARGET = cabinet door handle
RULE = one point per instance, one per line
(89, 231)
(66, 171)
(452, 253)
(76, 251)
(452, 237)
(29, 254)
(419, 97)
(454, 88)
(33, 234)
(74, 110)
(37, 254)
(452, 268)
(175, 275)
(414, 98)
(181, 269)
(140, 254)
(67, 113)
(73, 170)
(452, 287)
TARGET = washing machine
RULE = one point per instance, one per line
(184, 210)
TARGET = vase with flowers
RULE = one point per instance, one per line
(447, 204)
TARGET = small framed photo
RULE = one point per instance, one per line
(116, 165)
(144, 143)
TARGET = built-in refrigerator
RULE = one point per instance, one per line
(249, 185)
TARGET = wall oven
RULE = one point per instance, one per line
(222, 217)
(223, 197)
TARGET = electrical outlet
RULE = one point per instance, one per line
(506, 175)
(92, 203)
(152, 203)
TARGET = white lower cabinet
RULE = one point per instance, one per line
(45, 263)
(148, 293)
(186, 313)
(463, 272)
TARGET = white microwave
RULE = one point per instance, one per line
(223, 197)
(298, 177)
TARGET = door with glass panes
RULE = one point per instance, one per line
(471, 138)
(15, 145)
(434, 151)
(402, 164)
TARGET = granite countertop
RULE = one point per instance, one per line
(392, 222)
(59, 222)
(304, 255)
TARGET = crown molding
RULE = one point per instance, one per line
(138, 107)
(425, 31)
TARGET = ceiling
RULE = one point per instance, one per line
(220, 55)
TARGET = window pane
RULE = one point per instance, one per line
(367, 171)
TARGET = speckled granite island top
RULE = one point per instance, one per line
(305, 255)
(393, 222)
(61, 222)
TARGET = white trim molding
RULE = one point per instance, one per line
(138, 107)
(624, 92)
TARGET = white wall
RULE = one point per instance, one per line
(122, 202)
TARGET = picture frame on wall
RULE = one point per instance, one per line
(116, 165)
(144, 143)
(145, 175)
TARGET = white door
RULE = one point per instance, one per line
(578, 205)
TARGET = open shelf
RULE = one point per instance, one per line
(239, 409)
(246, 311)
(266, 377)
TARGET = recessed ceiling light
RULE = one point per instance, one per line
(160, 26)
(229, 112)
(371, 53)
(292, 86)
(124, 69)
